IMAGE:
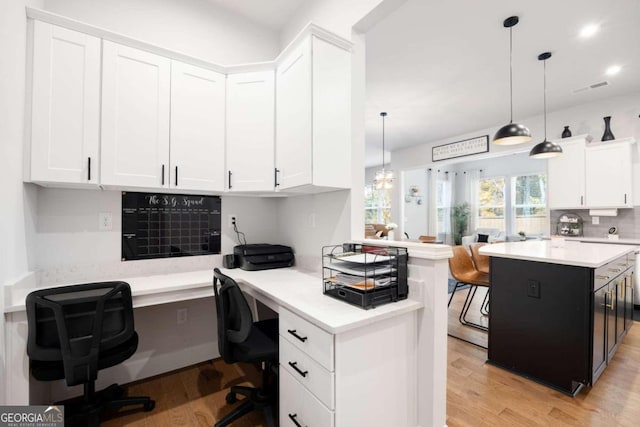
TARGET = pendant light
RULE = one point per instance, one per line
(513, 133)
(545, 149)
(384, 178)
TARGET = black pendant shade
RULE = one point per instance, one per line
(513, 133)
(545, 149)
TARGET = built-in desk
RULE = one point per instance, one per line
(384, 360)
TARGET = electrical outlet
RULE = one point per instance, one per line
(595, 220)
(232, 220)
(182, 316)
(312, 220)
(105, 221)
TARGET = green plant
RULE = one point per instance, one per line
(460, 219)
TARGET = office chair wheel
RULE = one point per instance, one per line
(148, 406)
(231, 398)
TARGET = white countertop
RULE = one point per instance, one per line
(619, 241)
(302, 294)
(297, 291)
(573, 253)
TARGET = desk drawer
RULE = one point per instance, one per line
(308, 372)
(307, 337)
(298, 407)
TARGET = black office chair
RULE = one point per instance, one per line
(240, 339)
(75, 331)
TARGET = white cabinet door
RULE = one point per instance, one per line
(293, 118)
(331, 115)
(608, 175)
(250, 131)
(135, 117)
(65, 120)
(566, 176)
(197, 128)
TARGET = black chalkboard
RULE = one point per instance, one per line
(156, 225)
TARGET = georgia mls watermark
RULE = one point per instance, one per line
(32, 416)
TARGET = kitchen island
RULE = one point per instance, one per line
(558, 314)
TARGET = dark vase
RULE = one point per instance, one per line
(607, 135)
(566, 133)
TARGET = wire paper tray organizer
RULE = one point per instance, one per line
(365, 275)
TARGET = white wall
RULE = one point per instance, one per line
(16, 221)
(307, 223)
(194, 27)
(71, 248)
(415, 215)
(339, 16)
(582, 119)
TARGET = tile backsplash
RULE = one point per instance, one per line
(627, 222)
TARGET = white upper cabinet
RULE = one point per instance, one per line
(591, 176)
(65, 107)
(293, 118)
(250, 131)
(609, 175)
(566, 175)
(197, 128)
(313, 117)
(135, 117)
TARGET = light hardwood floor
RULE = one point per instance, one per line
(478, 394)
(193, 396)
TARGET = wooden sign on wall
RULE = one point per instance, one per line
(466, 147)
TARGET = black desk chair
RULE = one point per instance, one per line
(240, 339)
(75, 331)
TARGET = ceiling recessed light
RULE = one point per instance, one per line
(589, 30)
(613, 70)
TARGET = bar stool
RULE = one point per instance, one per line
(465, 273)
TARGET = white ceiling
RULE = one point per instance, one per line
(441, 68)
(270, 13)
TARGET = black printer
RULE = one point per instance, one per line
(262, 256)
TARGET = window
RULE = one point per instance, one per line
(491, 203)
(377, 205)
(529, 203)
(443, 207)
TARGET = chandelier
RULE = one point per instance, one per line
(384, 178)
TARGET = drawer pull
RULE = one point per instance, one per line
(612, 305)
(294, 365)
(292, 417)
(293, 332)
(601, 277)
(615, 270)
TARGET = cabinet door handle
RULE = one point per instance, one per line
(293, 332)
(625, 198)
(176, 176)
(88, 168)
(612, 305)
(229, 180)
(581, 200)
(292, 417)
(294, 365)
(162, 174)
(275, 176)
